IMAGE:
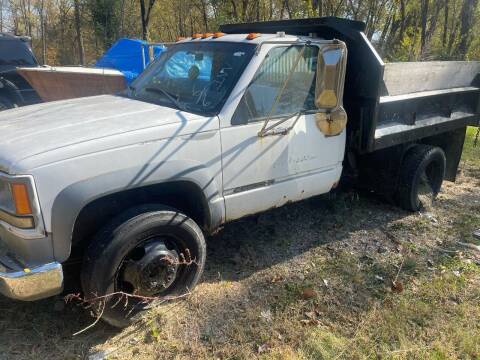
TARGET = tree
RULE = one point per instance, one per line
(145, 15)
(105, 16)
(466, 19)
(424, 17)
(1, 16)
(68, 31)
(78, 32)
(41, 11)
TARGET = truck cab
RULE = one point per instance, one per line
(221, 126)
(14, 89)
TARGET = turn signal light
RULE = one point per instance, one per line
(207, 35)
(218, 34)
(21, 199)
(252, 36)
(196, 36)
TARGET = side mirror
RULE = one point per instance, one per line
(331, 67)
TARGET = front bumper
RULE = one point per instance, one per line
(30, 284)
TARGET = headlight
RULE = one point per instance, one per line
(18, 205)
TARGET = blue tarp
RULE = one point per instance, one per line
(126, 56)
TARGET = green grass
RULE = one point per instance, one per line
(471, 155)
(437, 319)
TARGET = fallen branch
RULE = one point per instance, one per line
(94, 323)
(104, 298)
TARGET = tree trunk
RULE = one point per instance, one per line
(287, 6)
(145, 15)
(383, 36)
(424, 17)
(466, 22)
(234, 10)
(404, 19)
(445, 25)
(205, 15)
(320, 7)
(1, 15)
(122, 18)
(244, 9)
(43, 32)
(78, 30)
(433, 23)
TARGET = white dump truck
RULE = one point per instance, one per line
(221, 126)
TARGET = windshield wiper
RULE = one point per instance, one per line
(167, 94)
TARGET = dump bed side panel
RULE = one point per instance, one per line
(424, 99)
(411, 77)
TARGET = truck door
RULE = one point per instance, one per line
(295, 160)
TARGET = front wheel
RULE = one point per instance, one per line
(143, 254)
(421, 177)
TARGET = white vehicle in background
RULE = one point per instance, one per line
(221, 126)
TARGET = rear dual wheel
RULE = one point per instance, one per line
(145, 253)
(421, 177)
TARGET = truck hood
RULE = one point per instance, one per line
(84, 125)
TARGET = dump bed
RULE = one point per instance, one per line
(390, 104)
(425, 98)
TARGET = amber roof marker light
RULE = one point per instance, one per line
(196, 36)
(207, 35)
(252, 36)
(218, 34)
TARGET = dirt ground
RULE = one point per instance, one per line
(311, 280)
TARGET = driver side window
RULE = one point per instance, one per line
(298, 94)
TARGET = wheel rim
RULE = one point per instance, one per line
(429, 185)
(150, 269)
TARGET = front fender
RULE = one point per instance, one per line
(71, 200)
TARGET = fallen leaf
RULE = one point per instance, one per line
(308, 293)
(266, 315)
(262, 348)
(397, 286)
(310, 322)
(310, 315)
(276, 278)
(101, 355)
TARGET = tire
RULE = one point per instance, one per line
(5, 103)
(422, 168)
(123, 255)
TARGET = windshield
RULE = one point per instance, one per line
(15, 53)
(194, 77)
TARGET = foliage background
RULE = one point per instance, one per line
(402, 30)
